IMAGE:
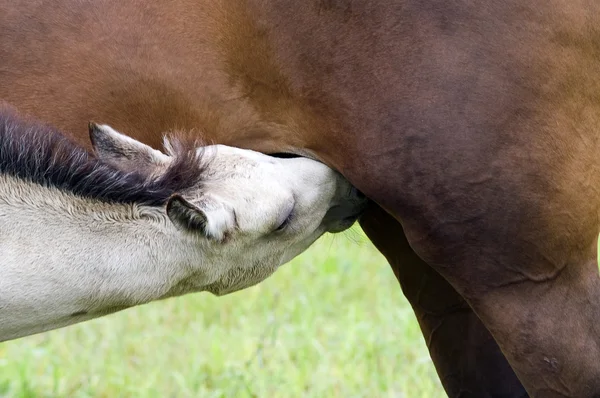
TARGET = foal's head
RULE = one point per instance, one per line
(249, 212)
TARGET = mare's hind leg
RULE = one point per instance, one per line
(527, 265)
(550, 329)
(465, 355)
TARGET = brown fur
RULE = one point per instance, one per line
(474, 124)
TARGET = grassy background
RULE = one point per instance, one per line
(333, 323)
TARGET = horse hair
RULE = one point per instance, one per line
(41, 154)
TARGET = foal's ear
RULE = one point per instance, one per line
(186, 215)
(212, 224)
(123, 151)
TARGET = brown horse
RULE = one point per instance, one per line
(473, 124)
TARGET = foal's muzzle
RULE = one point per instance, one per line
(341, 216)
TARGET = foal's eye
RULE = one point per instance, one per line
(285, 216)
(284, 224)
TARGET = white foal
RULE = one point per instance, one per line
(84, 236)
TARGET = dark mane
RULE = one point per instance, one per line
(43, 155)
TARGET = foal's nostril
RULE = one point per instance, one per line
(358, 194)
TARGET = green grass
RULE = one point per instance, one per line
(333, 323)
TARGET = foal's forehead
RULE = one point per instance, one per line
(228, 152)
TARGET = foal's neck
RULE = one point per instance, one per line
(81, 258)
